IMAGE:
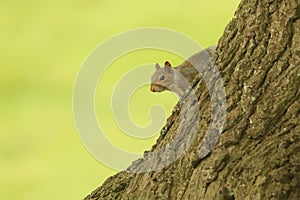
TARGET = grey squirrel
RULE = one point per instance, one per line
(178, 79)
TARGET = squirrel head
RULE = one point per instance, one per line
(163, 78)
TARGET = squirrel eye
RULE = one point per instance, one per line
(162, 77)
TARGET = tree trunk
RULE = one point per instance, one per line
(258, 153)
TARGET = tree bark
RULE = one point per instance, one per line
(258, 154)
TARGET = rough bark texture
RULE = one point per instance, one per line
(258, 153)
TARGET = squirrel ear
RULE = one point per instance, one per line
(157, 66)
(167, 63)
(168, 67)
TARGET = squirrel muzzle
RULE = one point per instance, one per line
(157, 88)
(153, 88)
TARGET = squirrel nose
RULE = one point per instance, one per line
(152, 88)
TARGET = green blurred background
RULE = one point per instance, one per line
(42, 46)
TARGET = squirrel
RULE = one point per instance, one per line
(179, 78)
